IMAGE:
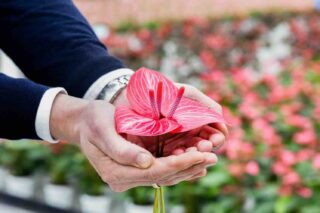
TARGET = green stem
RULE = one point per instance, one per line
(155, 204)
(159, 200)
(162, 200)
(159, 204)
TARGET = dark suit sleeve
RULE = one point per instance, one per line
(19, 101)
(53, 44)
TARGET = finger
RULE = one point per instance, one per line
(178, 151)
(127, 153)
(165, 176)
(213, 135)
(176, 163)
(201, 144)
(161, 168)
(221, 127)
(193, 142)
(171, 182)
(182, 176)
(204, 146)
(197, 95)
(191, 149)
(190, 172)
(199, 175)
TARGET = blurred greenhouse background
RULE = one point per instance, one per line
(259, 59)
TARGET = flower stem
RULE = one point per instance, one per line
(159, 204)
(155, 204)
(162, 200)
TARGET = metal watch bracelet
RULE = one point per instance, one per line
(114, 88)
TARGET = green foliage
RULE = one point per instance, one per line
(61, 164)
(141, 195)
(86, 177)
(313, 77)
(126, 27)
(24, 157)
(2, 151)
(152, 25)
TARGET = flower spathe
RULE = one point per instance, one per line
(157, 106)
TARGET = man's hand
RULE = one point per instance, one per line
(207, 138)
(120, 163)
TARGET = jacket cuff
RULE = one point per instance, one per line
(42, 122)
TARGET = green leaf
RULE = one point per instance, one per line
(282, 204)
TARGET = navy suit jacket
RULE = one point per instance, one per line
(53, 44)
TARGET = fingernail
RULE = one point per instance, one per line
(144, 160)
(212, 159)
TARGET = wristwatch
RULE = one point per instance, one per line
(114, 88)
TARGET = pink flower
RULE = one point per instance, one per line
(305, 192)
(235, 169)
(305, 137)
(216, 41)
(252, 168)
(217, 76)
(303, 155)
(232, 119)
(208, 59)
(279, 168)
(298, 121)
(157, 106)
(267, 132)
(288, 158)
(291, 178)
(317, 109)
(316, 162)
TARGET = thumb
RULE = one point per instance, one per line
(127, 153)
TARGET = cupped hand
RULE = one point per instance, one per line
(165, 171)
(207, 138)
(120, 163)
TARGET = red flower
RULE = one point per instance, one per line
(157, 106)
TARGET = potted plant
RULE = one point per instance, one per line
(93, 196)
(141, 200)
(3, 171)
(177, 202)
(22, 159)
(58, 191)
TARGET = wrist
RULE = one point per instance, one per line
(65, 117)
(121, 99)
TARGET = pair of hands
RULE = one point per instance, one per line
(125, 162)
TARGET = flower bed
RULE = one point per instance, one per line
(264, 70)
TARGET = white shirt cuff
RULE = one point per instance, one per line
(94, 90)
(42, 123)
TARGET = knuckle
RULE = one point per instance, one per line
(202, 174)
(95, 129)
(118, 152)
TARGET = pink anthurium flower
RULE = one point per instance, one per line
(157, 106)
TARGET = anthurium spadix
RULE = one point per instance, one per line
(157, 106)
